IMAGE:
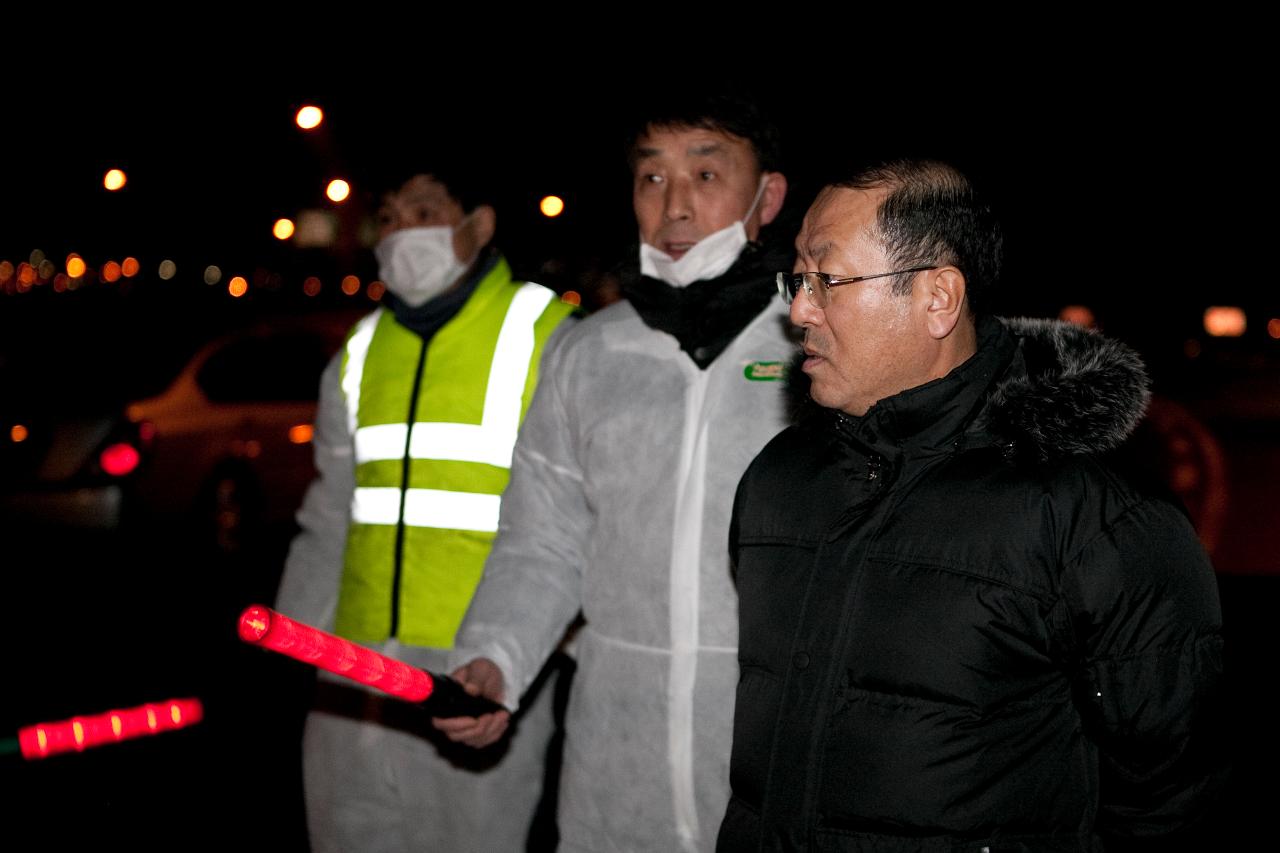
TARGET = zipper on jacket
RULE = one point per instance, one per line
(406, 463)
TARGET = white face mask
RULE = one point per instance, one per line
(711, 256)
(417, 264)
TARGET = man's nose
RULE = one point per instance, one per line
(678, 202)
(803, 311)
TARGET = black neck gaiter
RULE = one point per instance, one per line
(706, 316)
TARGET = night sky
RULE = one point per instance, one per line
(1126, 172)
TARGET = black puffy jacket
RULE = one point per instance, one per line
(961, 630)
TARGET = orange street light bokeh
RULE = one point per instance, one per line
(114, 179)
(283, 229)
(309, 117)
(551, 205)
(1081, 315)
(338, 190)
(1224, 321)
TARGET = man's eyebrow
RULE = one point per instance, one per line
(421, 200)
(817, 251)
(703, 150)
(706, 149)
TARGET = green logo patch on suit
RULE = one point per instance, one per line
(765, 371)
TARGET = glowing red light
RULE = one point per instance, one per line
(119, 459)
(79, 733)
(266, 627)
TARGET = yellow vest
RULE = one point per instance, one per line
(425, 509)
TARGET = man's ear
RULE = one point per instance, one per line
(474, 232)
(774, 194)
(944, 292)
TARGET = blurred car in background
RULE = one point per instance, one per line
(224, 450)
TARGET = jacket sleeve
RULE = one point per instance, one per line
(1146, 615)
(531, 588)
(312, 571)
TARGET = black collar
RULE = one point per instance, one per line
(707, 315)
(933, 416)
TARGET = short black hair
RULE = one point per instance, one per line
(732, 111)
(933, 214)
(466, 181)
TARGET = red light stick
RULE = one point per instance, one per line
(79, 733)
(439, 695)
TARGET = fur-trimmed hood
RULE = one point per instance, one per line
(1066, 391)
(1070, 391)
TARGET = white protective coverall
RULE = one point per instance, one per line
(377, 776)
(618, 505)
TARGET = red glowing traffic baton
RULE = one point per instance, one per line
(439, 695)
(79, 733)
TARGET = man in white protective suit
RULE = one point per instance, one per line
(621, 488)
(418, 415)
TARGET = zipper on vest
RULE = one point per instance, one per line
(406, 462)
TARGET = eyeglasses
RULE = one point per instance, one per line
(817, 285)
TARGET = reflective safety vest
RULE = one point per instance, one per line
(433, 454)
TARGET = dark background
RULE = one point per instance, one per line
(1129, 173)
(1131, 162)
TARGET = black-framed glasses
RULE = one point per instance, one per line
(817, 285)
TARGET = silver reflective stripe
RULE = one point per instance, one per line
(507, 376)
(357, 352)
(382, 441)
(490, 442)
(427, 508)
(494, 438)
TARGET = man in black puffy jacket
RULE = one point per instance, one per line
(960, 629)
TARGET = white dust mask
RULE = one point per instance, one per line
(710, 257)
(417, 264)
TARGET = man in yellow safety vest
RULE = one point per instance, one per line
(417, 420)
